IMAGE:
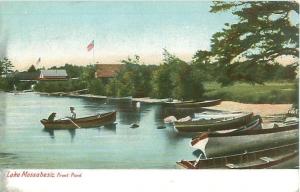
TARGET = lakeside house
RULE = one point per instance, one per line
(53, 75)
(59, 74)
(27, 76)
(107, 71)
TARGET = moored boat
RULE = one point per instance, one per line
(119, 99)
(266, 158)
(215, 144)
(84, 122)
(189, 104)
(214, 124)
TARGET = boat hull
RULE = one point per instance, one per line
(189, 104)
(250, 140)
(266, 158)
(87, 122)
(212, 125)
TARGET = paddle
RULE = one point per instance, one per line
(74, 123)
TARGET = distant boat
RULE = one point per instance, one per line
(28, 90)
(265, 158)
(119, 99)
(214, 124)
(192, 104)
(213, 144)
(85, 122)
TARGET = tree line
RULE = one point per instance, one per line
(245, 51)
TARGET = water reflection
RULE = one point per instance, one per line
(117, 148)
(2, 114)
(180, 112)
(109, 128)
(72, 134)
(7, 159)
(50, 132)
(128, 113)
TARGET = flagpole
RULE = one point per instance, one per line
(89, 48)
(94, 54)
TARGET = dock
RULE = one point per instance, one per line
(91, 96)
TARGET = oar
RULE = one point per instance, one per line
(74, 123)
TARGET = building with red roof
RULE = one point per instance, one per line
(106, 71)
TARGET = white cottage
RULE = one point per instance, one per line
(53, 74)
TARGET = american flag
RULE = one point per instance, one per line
(90, 46)
(38, 61)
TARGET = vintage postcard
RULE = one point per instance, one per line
(122, 89)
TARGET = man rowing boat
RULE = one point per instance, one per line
(73, 114)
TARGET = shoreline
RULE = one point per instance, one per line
(143, 99)
(261, 109)
(257, 109)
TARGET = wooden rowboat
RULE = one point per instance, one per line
(216, 144)
(255, 123)
(266, 158)
(189, 104)
(213, 125)
(85, 122)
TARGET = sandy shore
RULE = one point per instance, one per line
(260, 109)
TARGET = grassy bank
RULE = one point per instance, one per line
(270, 92)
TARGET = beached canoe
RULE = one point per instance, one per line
(265, 158)
(255, 123)
(189, 104)
(207, 115)
(85, 122)
(214, 124)
(216, 144)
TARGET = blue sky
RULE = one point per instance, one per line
(59, 32)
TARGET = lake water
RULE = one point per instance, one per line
(25, 144)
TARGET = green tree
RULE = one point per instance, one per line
(96, 87)
(187, 86)
(32, 69)
(202, 63)
(264, 32)
(73, 71)
(6, 66)
(88, 73)
(134, 79)
(4, 84)
(175, 78)
(111, 88)
(134, 60)
(162, 85)
(296, 95)
(1, 67)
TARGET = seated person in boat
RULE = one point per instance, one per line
(51, 117)
(73, 114)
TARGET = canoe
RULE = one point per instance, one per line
(266, 158)
(189, 104)
(214, 124)
(215, 144)
(255, 123)
(85, 122)
(216, 115)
